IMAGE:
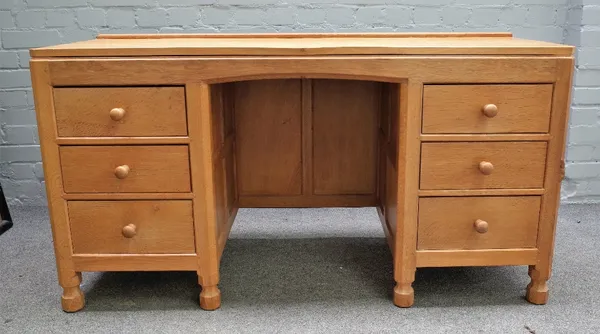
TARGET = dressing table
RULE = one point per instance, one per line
(151, 143)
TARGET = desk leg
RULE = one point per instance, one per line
(409, 156)
(537, 290)
(205, 218)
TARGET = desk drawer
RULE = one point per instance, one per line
(478, 222)
(122, 111)
(90, 169)
(510, 108)
(488, 165)
(132, 227)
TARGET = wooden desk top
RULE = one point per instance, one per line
(304, 45)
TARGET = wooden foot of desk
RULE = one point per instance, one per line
(72, 299)
(404, 295)
(537, 290)
(210, 298)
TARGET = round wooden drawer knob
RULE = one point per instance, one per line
(117, 114)
(129, 231)
(490, 110)
(121, 172)
(481, 226)
(486, 167)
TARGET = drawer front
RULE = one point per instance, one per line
(486, 108)
(91, 169)
(478, 222)
(132, 227)
(113, 112)
(489, 165)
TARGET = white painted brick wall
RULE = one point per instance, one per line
(582, 182)
(33, 23)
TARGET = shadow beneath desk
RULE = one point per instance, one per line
(306, 271)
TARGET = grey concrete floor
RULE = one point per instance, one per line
(303, 271)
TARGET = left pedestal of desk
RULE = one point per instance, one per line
(117, 164)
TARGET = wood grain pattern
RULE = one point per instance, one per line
(224, 163)
(149, 111)
(480, 192)
(300, 201)
(153, 168)
(268, 130)
(281, 86)
(485, 137)
(69, 277)
(458, 108)
(122, 140)
(307, 138)
(135, 262)
(476, 257)
(162, 227)
(199, 107)
(387, 68)
(345, 136)
(305, 45)
(391, 196)
(126, 196)
(455, 165)
(448, 222)
(409, 157)
(537, 290)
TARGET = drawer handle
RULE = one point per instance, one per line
(117, 114)
(486, 167)
(129, 231)
(481, 226)
(121, 172)
(490, 110)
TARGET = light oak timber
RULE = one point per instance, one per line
(307, 45)
(459, 108)
(156, 227)
(224, 235)
(479, 192)
(122, 140)
(459, 165)
(386, 230)
(485, 137)
(345, 136)
(126, 196)
(391, 196)
(537, 290)
(307, 137)
(403, 94)
(477, 257)
(157, 168)
(204, 209)
(319, 201)
(142, 111)
(69, 277)
(409, 155)
(478, 222)
(268, 116)
(178, 71)
(135, 262)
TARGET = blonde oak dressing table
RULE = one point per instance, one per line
(151, 143)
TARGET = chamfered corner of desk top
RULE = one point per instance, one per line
(303, 44)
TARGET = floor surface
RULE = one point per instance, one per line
(303, 271)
